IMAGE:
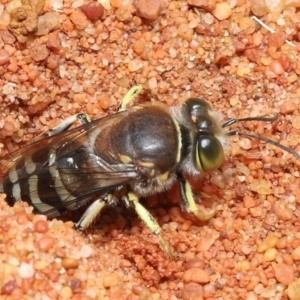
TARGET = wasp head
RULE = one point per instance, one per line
(207, 146)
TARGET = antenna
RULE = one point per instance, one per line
(230, 122)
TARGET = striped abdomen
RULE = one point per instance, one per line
(50, 185)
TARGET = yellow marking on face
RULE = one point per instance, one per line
(165, 176)
(125, 159)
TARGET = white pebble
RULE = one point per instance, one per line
(57, 5)
(173, 52)
(245, 144)
(77, 88)
(26, 270)
(218, 179)
(86, 251)
(48, 22)
(77, 3)
(13, 261)
(208, 19)
(135, 65)
(222, 11)
(152, 83)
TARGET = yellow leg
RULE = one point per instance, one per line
(130, 96)
(189, 202)
(92, 212)
(149, 221)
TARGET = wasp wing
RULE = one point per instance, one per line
(73, 134)
(52, 197)
(61, 172)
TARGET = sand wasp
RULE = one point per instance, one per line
(133, 153)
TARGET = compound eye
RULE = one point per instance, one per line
(210, 153)
(197, 106)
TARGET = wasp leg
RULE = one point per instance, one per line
(65, 125)
(189, 202)
(93, 211)
(130, 95)
(149, 221)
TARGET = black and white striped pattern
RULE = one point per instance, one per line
(32, 180)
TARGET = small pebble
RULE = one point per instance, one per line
(276, 67)
(66, 293)
(245, 144)
(22, 218)
(93, 10)
(282, 243)
(4, 57)
(270, 254)
(185, 32)
(48, 22)
(249, 202)
(8, 287)
(259, 8)
(288, 107)
(53, 43)
(110, 280)
(251, 296)
(284, 273)
(40, 265)
(206, 242)
(86, 251)
(196, 275)
(41, 226)
(196, 263)
(207, 5)
(135, 65)
(46, 243)
(26, 270)
(70, 263)
(148, 9)
(293, 290)
(79, 20)
(39, 52)
(139, 46)
(247, 25)
(192, 291)
(75, 283)
(218, 179)
(282, 211)
(116, 3)
(269, 242)
(222, 11)
(262, 187)
(296, 253)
